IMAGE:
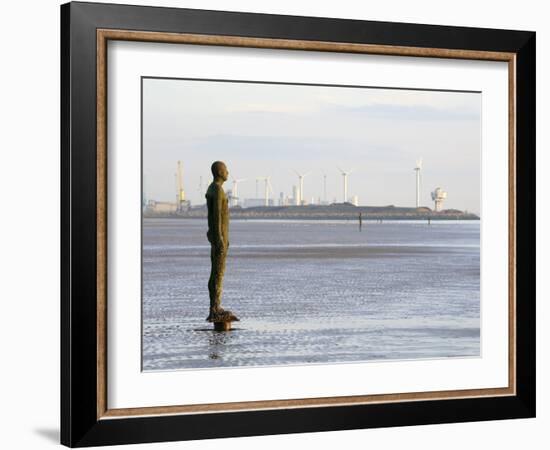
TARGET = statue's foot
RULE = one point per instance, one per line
(214, 314)
(221, 315)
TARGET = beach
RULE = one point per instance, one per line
(312, 292)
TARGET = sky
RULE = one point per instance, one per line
(273, 130)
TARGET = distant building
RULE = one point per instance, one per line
(184, 206)
(288, 201)
(438, 196)
(254, 202)
(355, 200)
(161, 207)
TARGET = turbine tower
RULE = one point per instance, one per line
(301, 177)
(345, 175)
(417, 169)
(268, 188)
(235, 196)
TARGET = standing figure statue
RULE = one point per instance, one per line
(218, 236)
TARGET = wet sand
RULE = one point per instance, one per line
(315, 292)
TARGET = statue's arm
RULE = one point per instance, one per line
(217, 217)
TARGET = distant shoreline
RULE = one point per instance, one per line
(324, 212)
(305, 218)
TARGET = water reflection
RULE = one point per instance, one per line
(217, 343)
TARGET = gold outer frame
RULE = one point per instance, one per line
(104, 35)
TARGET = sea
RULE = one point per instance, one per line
(311, 292)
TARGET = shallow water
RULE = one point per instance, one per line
(311, 292)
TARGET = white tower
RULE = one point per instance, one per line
(295, 195)
(417, 169)
(301, 177)
(345, 175)
(438, 196)
(268, 188)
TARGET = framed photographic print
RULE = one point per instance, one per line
(277, 224)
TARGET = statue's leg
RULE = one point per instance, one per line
(221, 272)
(219, 265)
(212, 279)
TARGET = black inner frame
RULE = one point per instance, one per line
(79, 423)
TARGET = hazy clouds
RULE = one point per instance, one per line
(271, 129)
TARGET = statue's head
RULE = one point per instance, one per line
(219, 170)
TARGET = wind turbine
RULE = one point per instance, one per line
(417, 169)
(235, 196)
(301, 177)
(268, 187)
(345, 175)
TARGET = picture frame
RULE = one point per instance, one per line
(86, 418)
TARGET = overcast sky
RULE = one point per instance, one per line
(273, 129)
